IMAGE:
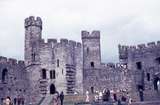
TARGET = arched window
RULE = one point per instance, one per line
(4, 75)
(44, 75)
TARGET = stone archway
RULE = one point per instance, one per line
(52, 89)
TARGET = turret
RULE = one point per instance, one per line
(33, 30)
(91, 49)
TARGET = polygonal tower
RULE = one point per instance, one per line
(33, 29)
(91, 49)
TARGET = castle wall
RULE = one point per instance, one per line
(79, 68)
(70, 67)
(13, 79)
(148, 58)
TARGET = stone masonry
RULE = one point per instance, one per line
(76, 67)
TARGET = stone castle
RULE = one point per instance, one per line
(76, 67)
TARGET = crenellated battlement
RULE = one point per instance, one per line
(3, 59)
(32, 21)
(54, 41)
(20, 62)
(94, 34)
(63, 41)
(145, 48)
(79, 44)
(72, 43)
(11, 61)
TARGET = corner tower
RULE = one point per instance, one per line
(91, 49)
(33, 30)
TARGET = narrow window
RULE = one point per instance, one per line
(87, 50)
(33, 56)
(148, 76)
(92, 64)
(92, 89)
(51, 76)
(44, 75)
(57, 62)
(4, 75)
(62, 71)
(139, 65)
(54, 74)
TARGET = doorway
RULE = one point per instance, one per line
(52, 89)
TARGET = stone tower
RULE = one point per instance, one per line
(33, 29)
(91, 58)
(91, 49)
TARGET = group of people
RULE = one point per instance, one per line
(58, 98)
(16, 101)
(106, 96)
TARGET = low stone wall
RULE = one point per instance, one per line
(147, 103)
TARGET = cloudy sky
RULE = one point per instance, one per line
(127, 22)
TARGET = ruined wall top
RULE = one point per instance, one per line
(94, 34)
(32, 21)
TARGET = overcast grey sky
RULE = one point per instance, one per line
(126, 22)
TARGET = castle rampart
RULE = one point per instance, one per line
(93, 34)
(11, 61)
(140, 49)
(32, 21)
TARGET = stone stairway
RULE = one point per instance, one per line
(47, 100)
